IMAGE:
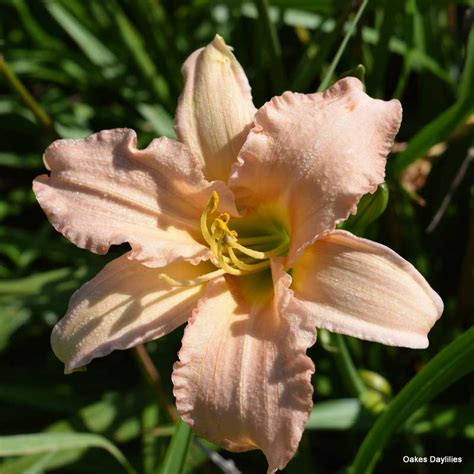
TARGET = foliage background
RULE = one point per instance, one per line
(95, 65)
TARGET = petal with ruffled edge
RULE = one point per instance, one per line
(243, 379)
(363, 289)
(103, 190)
(124, 305)
(215, 110)
(316, 155)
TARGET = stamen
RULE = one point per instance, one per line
(224, 217)
(254, 267)
(224, 244)
(223, 264)
(251, 253)
(210, 208)
(216, 236)
(193, 282)
(222, 225)
(260, 255)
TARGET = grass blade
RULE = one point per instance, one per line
(317, 52)
(94, 49)
(327, 78)
(133, 41)
(178, 450)
(452, 363)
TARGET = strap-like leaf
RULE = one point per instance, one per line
(178, 450)
(452, 363)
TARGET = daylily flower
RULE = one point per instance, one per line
(232, 230)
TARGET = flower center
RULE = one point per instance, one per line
(243, 255)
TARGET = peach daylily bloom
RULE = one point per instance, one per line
(232, 230)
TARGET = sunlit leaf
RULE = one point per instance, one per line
(178, 450)
(24, 444)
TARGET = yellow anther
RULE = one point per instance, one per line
(224, 217)
(230, 255)
(248, 268)
(213, 202)
(223, 226)
(210, 208)
(200, 280)
(223, 262)
(260, 255)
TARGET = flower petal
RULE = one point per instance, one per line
(124, 305)
(103, 191)
(243, 379)
(316, 155)
(215, 110)
(361, 288)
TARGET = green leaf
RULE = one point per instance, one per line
(397, 46)
(93, 48)
(13, 160)
(317, 51)
(11, 318)
(342, 414)
(159, 119)
(350, 31)
(34, 283)
(18, 445)
(445, 421)
(452, 363)
(437, 130)
(33, 28)
(113, 417)
(134, 42)
(370, 208)
(178, 450)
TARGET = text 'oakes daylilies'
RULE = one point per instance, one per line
(232, 231)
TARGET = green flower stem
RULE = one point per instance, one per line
(448, 366)
(327, 78)
(41, 116)
(276, 62)
(153, 379)
(346, 366)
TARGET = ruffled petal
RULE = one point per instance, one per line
(316, 155)
(124, 305)
(215, 110)
(103, 191)
(361, 288)
(243, 379)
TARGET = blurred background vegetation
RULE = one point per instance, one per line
(89, 65)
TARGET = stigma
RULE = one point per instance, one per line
(234, 255)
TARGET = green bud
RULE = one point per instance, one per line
(373, 401)
(374, 381)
